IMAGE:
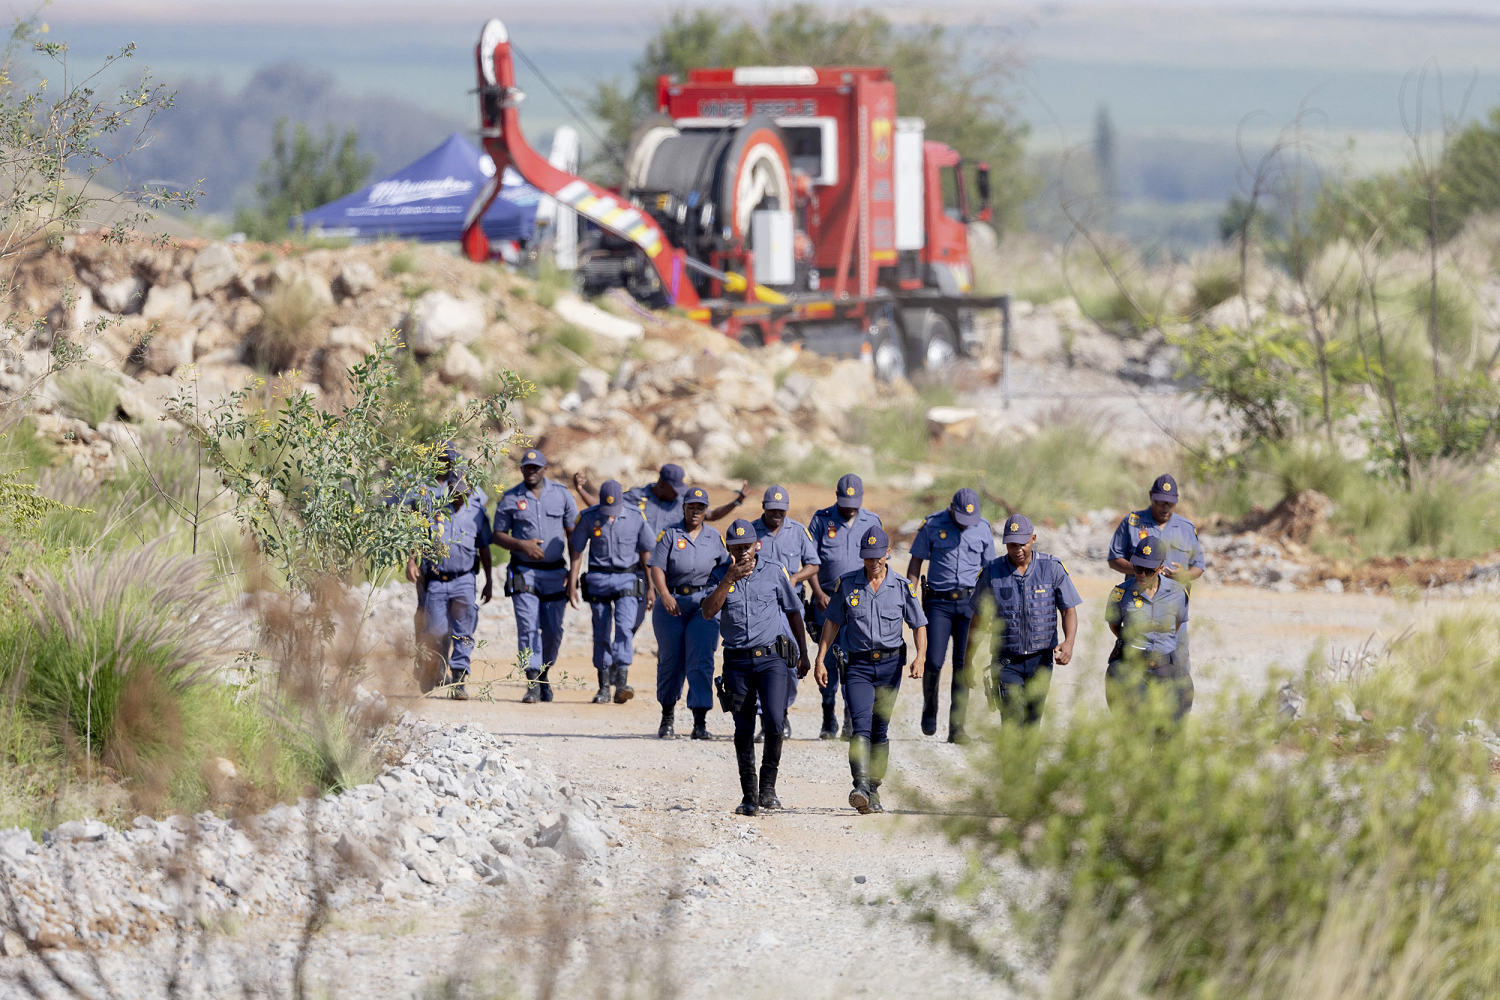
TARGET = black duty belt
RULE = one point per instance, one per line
(960, 594)
(689, 591)
(749, 652)
(610, 569)
(552, 564)
(884, 653)
(1005, 658)
(448, 577)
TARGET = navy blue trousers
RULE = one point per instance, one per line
(763, 678)
(946, 620)
(1024, 682)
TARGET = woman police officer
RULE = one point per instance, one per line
(685, 555)
(1146, 613)
(868, 606)
(753, 600)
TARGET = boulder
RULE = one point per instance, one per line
(121, 295)
(212, 269)
(243, 316)
(289, 273)
(216, 339)
(355, 278)
(170, 347)
(351, 337)
(592, 384)
(461, 367)
(596, 321)
(953, 423)
(438, 319)
(168, 300)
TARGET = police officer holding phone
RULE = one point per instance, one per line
(759, 614)
(619, 547)
(865, 616)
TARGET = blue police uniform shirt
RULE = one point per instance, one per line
(1178, 534)
(688, 561)
(547, 518)
(955, 554)
(838, 543)
(754, 611)
(465, 531)
(615, 541)
(1026, 604)
(791, 546)
(1148, 622)
(871, 619)
(658, 513)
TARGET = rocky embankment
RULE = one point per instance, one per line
(207, 318)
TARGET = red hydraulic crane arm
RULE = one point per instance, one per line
(500, 130)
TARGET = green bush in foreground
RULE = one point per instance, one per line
(1250, 855)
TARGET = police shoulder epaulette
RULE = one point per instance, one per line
(838, 585)
(807, 532)
(661, 534)
(785, 573)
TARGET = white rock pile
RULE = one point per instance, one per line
(461, 807)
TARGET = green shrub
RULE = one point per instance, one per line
(1217, 281)
(285, 329)
(90, 394)
(401, 262)
(1239, 856)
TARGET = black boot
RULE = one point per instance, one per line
(848, 732)
(958, 710)
(830, 730)
(700, 725)
(458, 692)
(859, 757)
(744, 753)
(880, 759)
(601, 697)
(544, 688)
(930, 678)
(769, 764)
(532, 692)
(667, 730)
(623, 691)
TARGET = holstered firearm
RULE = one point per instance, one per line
(840, 658)
(728, 701)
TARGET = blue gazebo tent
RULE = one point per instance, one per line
(427, 200)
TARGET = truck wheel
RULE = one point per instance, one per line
(932, 339)
(889, 353)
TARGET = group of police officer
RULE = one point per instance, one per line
(651, 549)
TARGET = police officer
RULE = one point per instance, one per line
(619, 547)
(786, 541)
(865, 615)
(836, 531)
(1183, 560)
(660, 503)
(445, 581)
(758, 614)
(1148, 614)
(683, 560)
(959, 542)
(533, 520)
(1016, 602)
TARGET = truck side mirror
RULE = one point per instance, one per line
(982, 182)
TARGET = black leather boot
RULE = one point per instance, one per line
(859, 762)
(623, 691)
(830, 730)
(458, 692)
(532, 690)
(667, 730)
(601, 697)
(744, 753)
(880, 759)
(770, 762)
(930, 678)
(700, 725)
(544, 688)
(848, 731)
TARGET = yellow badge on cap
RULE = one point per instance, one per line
(1014, 526)
(531, 454)
(848, 491)
(1145, 550)
(1166, 487)
(739, 531)
(968, 508)
(776, 496)
(870, 540)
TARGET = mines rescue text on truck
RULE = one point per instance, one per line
(775, 202)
